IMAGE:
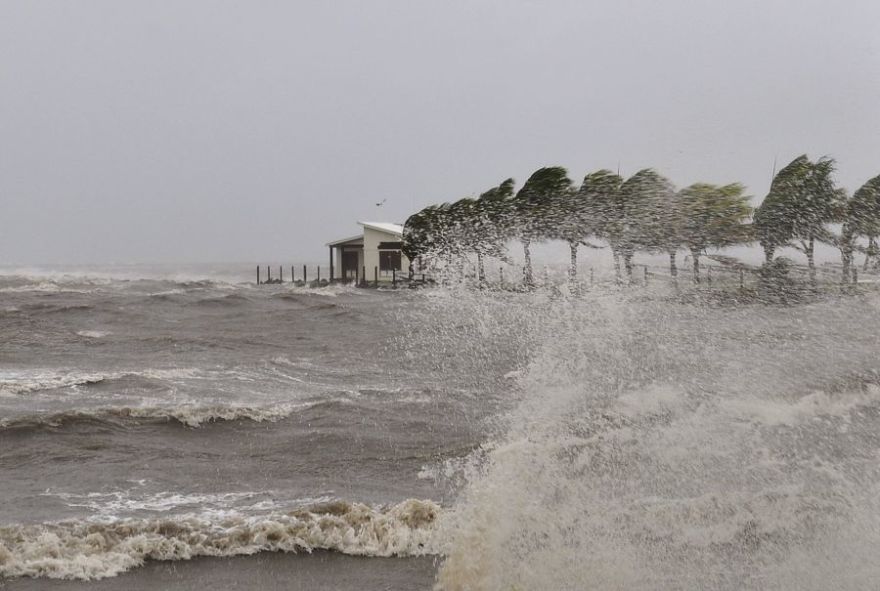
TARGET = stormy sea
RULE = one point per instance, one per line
(163, 429)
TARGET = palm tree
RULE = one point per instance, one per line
(861, 218)
(644, 225)
(600, 192)
(802, 201)
(714, 216)
(573, 224)
(533, 209)
(491, 228)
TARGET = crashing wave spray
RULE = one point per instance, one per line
(94, 549)
(667, 446)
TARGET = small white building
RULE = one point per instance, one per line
(375, 254)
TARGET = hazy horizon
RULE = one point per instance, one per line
(202, 131)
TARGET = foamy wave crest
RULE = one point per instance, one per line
(189, 415)
(94, 549)
(25, 382)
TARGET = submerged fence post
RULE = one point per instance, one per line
(742, 282)
(268, 274)
(304, 274)
(292, 277)
(319, 273)
(375, 276)
(280, 273)
(394, 277)
(364, 274)
(258, 274)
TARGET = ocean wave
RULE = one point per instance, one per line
(190, 415)
(95, 549)
(121, 502)
(25, 382)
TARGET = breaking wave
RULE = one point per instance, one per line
(190, 415)
(669, 447)
(95, 549)
(25, 382)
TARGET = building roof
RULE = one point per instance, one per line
(388, 228)
(359, 239)
(384, 227)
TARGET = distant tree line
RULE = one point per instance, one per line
(646, 213)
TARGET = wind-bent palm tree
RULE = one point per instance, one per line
(533, 210)
(714, 216)
(861, 218)
(802, 201)
(601, 193)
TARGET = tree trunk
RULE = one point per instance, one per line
(846, 253)
(768, 255)
(809, 250)
(573, 265)
(871, 251)
(528, 278)
(628, 264)
(616, 256)
(481, 271)
(696, 256)
(673, 268)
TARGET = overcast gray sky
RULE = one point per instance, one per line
(162, 131)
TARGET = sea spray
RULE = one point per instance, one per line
(656, 445)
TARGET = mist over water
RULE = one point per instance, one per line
(614, 438)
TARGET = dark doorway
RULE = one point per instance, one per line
(349, 264)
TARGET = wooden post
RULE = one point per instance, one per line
(331, 264)
(646, 274)
(268, 274)
(319, 273)
(742, 282)
(292, 278)
(305, 279)
(375, 276)
(501, 276)
(855, 273)
(394, 277)
(258, 274)
(364, 274)
(280, 273)
(356, 278)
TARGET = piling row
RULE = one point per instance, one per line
(359, 278)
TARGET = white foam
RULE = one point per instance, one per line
(33, 380)
(93, 334)
(95, 549)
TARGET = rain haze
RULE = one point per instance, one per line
(244, 131)
(649, 362)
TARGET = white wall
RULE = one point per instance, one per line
(372, 238)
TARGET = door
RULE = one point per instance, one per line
(349, 264)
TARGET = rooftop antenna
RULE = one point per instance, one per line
(773, 176)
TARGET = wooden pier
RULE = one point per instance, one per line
(397, 279)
